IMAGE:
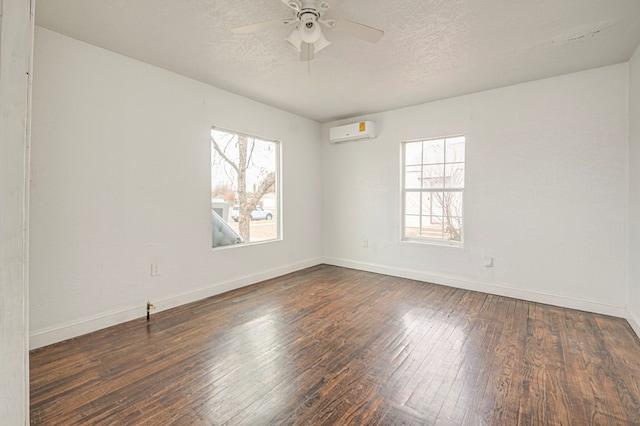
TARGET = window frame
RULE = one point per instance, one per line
(441, 189)
(278, 219)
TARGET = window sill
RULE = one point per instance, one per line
(439, 243)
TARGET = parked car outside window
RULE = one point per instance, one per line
(257, 214)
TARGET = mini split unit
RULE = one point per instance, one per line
(352, 132)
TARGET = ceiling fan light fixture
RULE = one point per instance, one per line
(308, 17)
(294, 39)
(321, 43)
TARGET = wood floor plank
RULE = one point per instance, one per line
(485, 390)
(334, 346)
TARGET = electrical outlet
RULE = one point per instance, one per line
(365, 243)
(154, 269)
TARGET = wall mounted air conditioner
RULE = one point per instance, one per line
(352, 132)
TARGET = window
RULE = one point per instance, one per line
(245, 203)
(432, 189)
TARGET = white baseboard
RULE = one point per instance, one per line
(492, 288)
(634, 322)
(66, 331)
(44, 337)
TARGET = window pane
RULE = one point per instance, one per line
(426, 203)
(413, 153)
(413, 177)
(453, 204)
(431, 227)
(433, 176)
(453, 231)
(455, 149)
(412, 203)
(244, 184)
(433, 152)
(453, 215)
(413, 221)
(434, 204)
(412, 226)
(454, 175)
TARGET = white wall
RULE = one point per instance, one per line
(16, 28)
(634, 192)
(121, 178)
(546, 192)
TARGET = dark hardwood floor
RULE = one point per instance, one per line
(332, 346)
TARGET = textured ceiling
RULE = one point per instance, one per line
(432, 49)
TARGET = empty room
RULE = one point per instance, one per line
(354, 212)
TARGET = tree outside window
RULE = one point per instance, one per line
(244, 188)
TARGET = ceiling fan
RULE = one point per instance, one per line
(308, 16)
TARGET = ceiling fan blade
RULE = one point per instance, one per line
(306, 52)
(293, 4)
(361, 31)
(262, 26)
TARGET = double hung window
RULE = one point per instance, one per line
(432, 189)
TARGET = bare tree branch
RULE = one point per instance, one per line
(265, 185)
(223, 155)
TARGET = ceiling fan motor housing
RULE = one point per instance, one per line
(308, 16)
(309, 30)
